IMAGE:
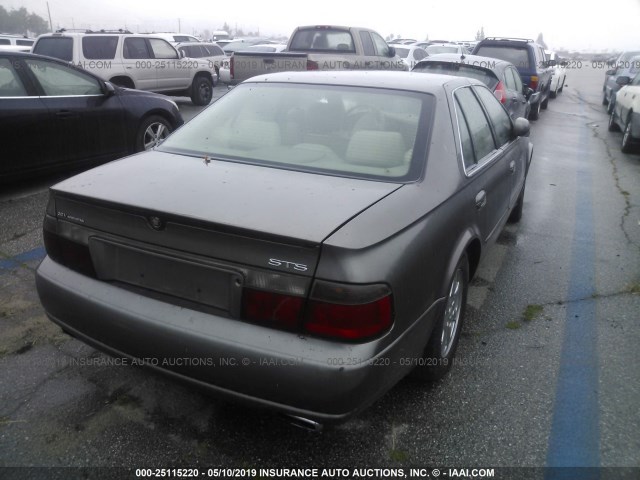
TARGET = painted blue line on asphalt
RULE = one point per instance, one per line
(574, 440)
(14, 262)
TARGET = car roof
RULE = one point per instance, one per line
(392, 80)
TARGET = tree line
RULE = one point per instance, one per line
(21, 22)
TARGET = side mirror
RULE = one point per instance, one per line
(392, 52)
(552, 63)
(623, 80)
(182, 54)
(109, 89)
(610, 72)
(521, 127)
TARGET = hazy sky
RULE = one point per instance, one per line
(593, 26)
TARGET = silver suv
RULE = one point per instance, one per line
(141, 61)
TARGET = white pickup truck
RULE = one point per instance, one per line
(319, 47)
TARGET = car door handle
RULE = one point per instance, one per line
(268, 60)
(481, 199)
(512, 166)
(67, 114)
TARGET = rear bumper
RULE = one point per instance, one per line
(308, 377)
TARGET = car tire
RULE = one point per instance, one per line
(564, 79)
(516, 213)
(545, 103)
(441, 347)
(612, 103)
(613, 126)
(554, 93)
(534, 113)
(605, 100)
(201, 90)
(626, 146)
(151, 132)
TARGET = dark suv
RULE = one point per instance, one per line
(529, 58)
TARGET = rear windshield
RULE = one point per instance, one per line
(347, 131)
(459, 70)
(58, 47)
(518, 56)
(402, 52)
(322, 39)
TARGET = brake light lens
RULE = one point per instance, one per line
(71, 254)
(311, 65)
(334, 310)
(349, 322)
(533, 83)
(349, 312)
(500, 92)
(272, 309)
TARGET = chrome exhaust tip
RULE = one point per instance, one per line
(304, 423)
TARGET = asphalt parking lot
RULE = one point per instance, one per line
(547, 371)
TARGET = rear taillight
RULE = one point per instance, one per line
(533, 83)
(231, 67)
(272, 309)
(500, 92)
(69, 253)
(311, 65)
(348, 312)
(334, 310)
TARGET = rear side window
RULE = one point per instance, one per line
(323, 40)
(516, 78)
(518, 56)
(465, 139)
(24, 43)
(498, 115)
(103, 48)
(5, 41)
(57, 47)
(135, 48)
(10, 84)
(479, 128)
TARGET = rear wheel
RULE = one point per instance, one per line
(516, 213)
(554, 92)
(613, 126)
(201, 90)
(441, 348)
(627, 141)
(545, 103)
(534, 114)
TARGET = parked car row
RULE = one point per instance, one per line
(625, 112)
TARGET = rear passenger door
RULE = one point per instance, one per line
(484, 162)
(138, 63)
(510, 146)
